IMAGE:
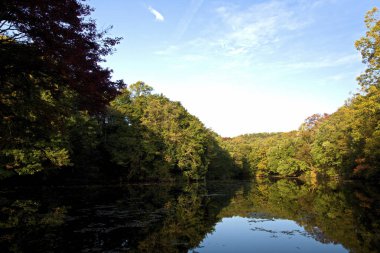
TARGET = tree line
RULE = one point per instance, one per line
(345, 144)
(61, 112)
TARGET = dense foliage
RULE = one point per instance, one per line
(344, 144)
(151, 137)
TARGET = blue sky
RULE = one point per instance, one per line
(240, 66)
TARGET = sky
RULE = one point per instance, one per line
(240, 66)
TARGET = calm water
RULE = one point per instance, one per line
(280, 216)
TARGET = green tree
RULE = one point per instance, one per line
(369, 47)
(347, 143)
(282, 156)
(152, 137)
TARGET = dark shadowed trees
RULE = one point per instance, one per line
(50, 69)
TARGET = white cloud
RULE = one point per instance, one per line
(158, 16)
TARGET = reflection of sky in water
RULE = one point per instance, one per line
(238, 234)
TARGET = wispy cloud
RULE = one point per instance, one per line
(258, 26)
(157, 15)
(258, 36)
(243, 31)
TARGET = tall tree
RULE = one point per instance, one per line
(49, 69)
(369, 47)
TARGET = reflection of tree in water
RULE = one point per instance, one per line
(176, 218)
(330, 213)
(191, 215)
(138, 218)
(30, 218)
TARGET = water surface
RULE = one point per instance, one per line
(265, 216)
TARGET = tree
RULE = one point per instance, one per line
(283, 158)
(369, 47)
(152, 138)
(50, 69)
(65, 43)
(140, 89)
(367, 107)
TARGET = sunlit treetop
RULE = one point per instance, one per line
(369, 46)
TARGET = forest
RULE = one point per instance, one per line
(63, 117)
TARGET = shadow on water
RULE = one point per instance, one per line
(181, 218)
